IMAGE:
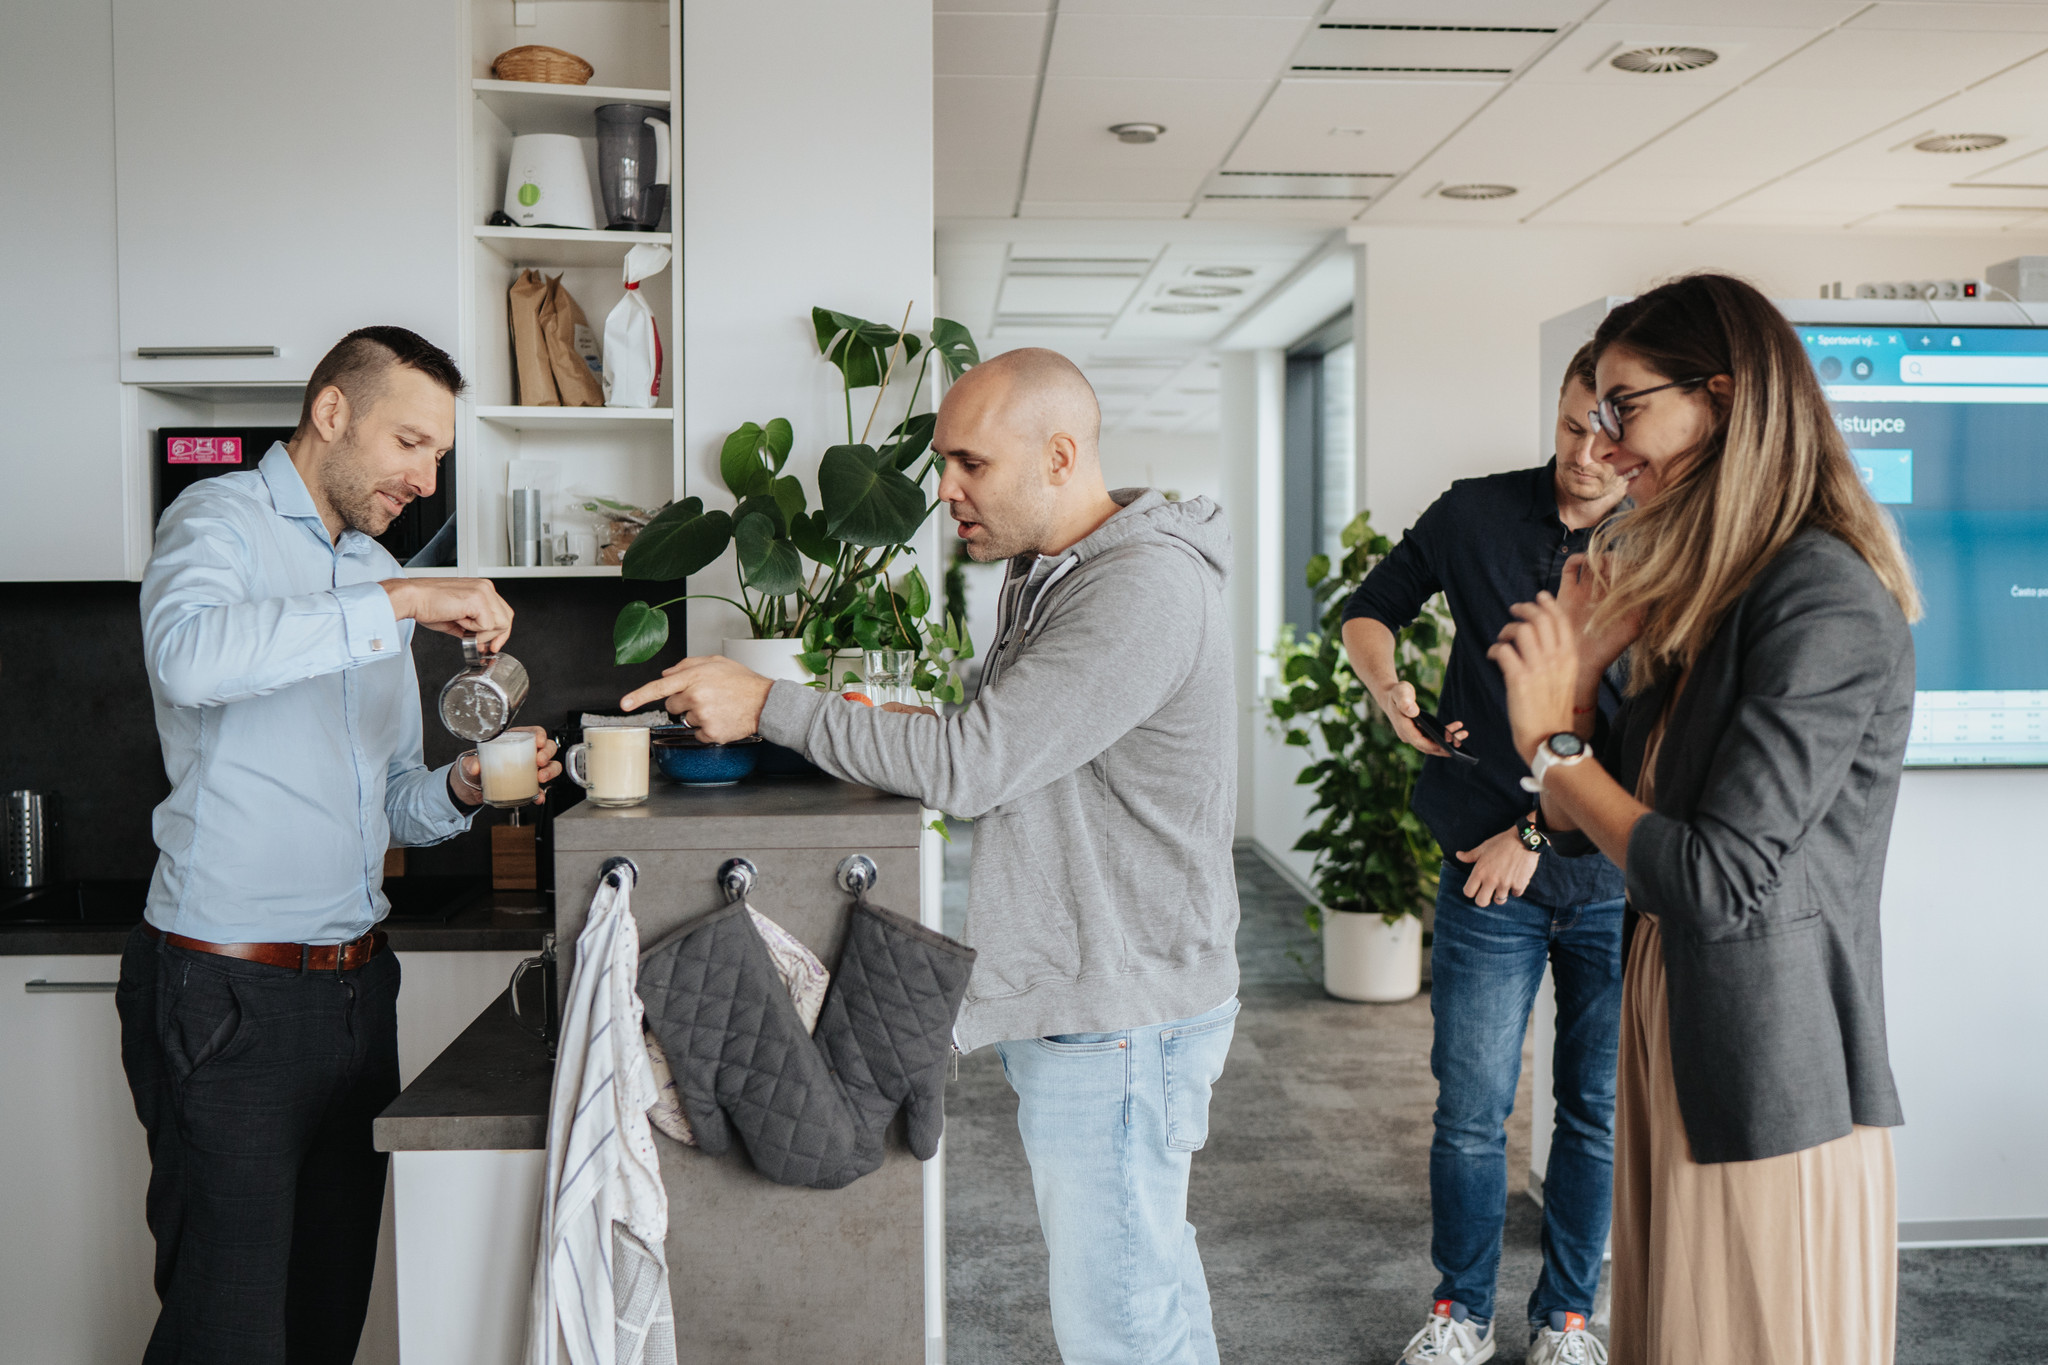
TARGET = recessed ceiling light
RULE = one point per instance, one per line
(1222, 272)
(1137, 132)
(1206, 291)
(1960, 142)
(1664, 61)
(1185, 308)
(1476, 191)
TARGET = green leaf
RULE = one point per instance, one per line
(681, 539)
(639, 633)
(768, 563)
(751, 537)
(816, 660)
(912, 437)
(1318, 569)
(740, 463)
(865, 502)
(938, 827)
(917, 595)
(809, 535)
(761, 505)
(780, 438)
(789, 496)
(955, 347)
(859, 349)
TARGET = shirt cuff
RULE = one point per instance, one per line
(449, 816)
(368, 623)
(787, 714)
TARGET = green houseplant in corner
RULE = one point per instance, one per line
(1375, 862)
(818, 581)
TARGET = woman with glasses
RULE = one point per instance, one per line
(1746, 788)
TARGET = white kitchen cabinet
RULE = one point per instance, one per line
(61, 454)
(77, 1260)
(286, 172)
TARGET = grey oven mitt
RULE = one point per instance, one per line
(887, 1025)
(743, 1060)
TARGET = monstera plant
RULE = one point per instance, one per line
(820, 574)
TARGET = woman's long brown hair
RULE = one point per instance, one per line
(1773, 464)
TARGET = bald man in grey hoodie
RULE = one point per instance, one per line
(1099, 762)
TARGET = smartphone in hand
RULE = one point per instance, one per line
(1433, 730)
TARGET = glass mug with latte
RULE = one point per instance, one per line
(510, 775)
(610, 764)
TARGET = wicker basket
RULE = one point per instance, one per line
(548, 64)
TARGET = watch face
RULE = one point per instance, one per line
(1565, 745)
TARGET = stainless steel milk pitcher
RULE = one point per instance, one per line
(480, 701)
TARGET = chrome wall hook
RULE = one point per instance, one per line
(857, 874)
(621, 871)
(736, 879)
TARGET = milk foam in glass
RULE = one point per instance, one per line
(611, 764)
(510, 775)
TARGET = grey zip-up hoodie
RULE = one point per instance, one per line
(1099, 762)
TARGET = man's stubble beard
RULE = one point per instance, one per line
(349, 492)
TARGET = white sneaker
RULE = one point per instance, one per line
(1566, 1342)
(1450, 1337)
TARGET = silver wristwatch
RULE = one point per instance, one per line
(1561, 750)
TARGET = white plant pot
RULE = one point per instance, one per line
(1365, 958)
(770, 658)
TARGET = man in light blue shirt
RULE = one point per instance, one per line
(258, 1001)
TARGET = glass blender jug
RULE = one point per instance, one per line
(632, 165)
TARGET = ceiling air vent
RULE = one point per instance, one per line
(1222, 272)
(1476, 191)
(1182, 308)
(1205, 291)
(1664, 61)
(1959, 142)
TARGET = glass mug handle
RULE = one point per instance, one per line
(576, 763)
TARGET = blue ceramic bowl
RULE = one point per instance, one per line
(684, 758)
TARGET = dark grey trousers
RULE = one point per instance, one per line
(257, 1086)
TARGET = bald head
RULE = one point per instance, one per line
(1019, 433)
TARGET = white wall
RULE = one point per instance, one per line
(1188, 464)
(806, 179)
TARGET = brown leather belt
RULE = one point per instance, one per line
(313, 957)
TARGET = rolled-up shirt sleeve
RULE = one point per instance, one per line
(207, 642)
(1393, 593)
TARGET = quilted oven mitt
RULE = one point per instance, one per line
(887, 1025)
(743, 1060)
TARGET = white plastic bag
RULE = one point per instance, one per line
(632, 346)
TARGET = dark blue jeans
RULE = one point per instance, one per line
(1486, 964)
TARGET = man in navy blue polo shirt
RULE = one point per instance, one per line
(1506, 902)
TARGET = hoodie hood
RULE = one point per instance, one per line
(1196, 527)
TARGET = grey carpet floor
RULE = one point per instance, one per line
(1312, 1197)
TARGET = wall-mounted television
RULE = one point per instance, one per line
(1949, 426)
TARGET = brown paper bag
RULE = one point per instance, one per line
(531, 368)
(572, 348)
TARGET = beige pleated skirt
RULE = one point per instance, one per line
(1792, 1260)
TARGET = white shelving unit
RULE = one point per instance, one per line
(626, 454)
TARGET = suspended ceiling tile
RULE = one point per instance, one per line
(1052, 180)
(988, 6)
(1298, 8)
(1951, 18)
(1645, 199)
(1354, 127)
(1806, 195)
(980, 124)
(988, 44)
(1179, 47)
(1332, 212)
(1587, 55)
(1915, 218)
(1928, 59)
(1103, 208)
(1763, 133)
(1507, 13)
(1806, 14)
(1064, 294)
(1202, 119)
(1339, 45)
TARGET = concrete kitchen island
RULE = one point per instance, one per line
(757, 1271)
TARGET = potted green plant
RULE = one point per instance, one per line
(815, 582)
(1375, 862)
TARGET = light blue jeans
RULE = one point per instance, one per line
(1111, 1123)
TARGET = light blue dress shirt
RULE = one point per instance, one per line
(289, 713)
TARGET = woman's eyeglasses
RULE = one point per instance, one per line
(1607, 416)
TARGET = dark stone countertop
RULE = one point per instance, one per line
(500, 921)
(488, 1091)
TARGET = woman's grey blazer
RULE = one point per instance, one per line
(1764, 856)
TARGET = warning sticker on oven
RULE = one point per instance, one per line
(205, 450)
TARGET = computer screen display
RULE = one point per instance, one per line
(1949, 427)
